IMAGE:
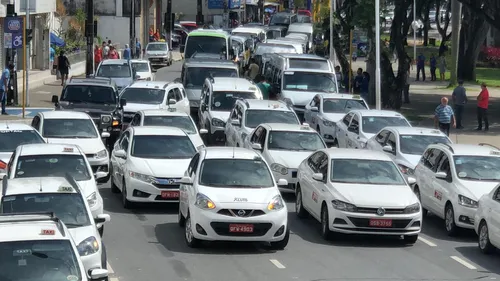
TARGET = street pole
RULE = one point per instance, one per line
(333, 7)
(456, 12)
(89, 34)
(27, 55)
(351, 35)
(169, 19)
(132, 28)
(24, 68)
(377, 57)
(414, 31)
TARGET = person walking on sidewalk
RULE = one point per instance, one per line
(433, 63)
(421, 66)
(459, 98)
(483, 100)
(63, 66)
(442, 67)
(97, 56)
(113, 54)
(127, 55)
(5, 86)
(444, 117)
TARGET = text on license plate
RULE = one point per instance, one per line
(380, 223)
(244, 228)
(170, 194)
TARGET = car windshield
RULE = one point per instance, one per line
(195, 76)
(342, 105)
(309, 82)
(88, 94)
(157, 47)
(480, 168)
(57, 165)
(269, 49)
(304, 19)
(234, 173)
(69, 128)
(10, 139)
(279, 20)
(207, 45)
(295, 141)
(68, 206)
(224, 101)
(254, 118)
(162, 147)
(361, 171)
(373, 124)
(40, 260)
(143, 95)
(182, 122)
(114, 71)
(140, 66)
(416, 144)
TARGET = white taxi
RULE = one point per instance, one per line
(487, 223)
(230, 194)
(170, 118)
(351, 192)
(33, 241)
(72, 127)
(325, 110)
(452, 177)
(142, 69)
(148, 162)
(358, 126)
(248, 114)
(63, 197)
(285, 146)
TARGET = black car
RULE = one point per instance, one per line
(99, 98)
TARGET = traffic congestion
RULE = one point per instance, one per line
(249, 140)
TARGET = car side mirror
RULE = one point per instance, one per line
(235, 122)
(441, 175)
(172, 101)
(203, 131)
(282, 182)
(186, 181)
(121, 154)
(123, 102)
(314, 109)
(387, 148)
(100, 175)
(55, 99)
(105, 135)
(317, 176)
(412, 180)
(257, 146)
(102, 218)
(98, 274)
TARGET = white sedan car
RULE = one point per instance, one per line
(487, 223)
(143, 70)
(357, 193)
(148, 162)
(230, 194)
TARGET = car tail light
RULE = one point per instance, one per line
(3, 165)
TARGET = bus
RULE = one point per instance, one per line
(208, 42)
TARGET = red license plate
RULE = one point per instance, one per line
(242, 228)
(380, 223)
(170, 194)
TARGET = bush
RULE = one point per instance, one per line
(490, 55)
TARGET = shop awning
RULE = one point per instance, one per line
(271, 4)
(57, 41)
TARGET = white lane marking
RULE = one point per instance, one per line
(277, 264)
(429, 243)
(110, 269)
(463, 262)
(113, 279)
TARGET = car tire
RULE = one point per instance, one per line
(114, 187)
(326, 233)
(410, 239)
(181, 220)
(125, 202)
(191, 241)
(449, 220)
(299, 207)
(281, 245)
(416, 190)
(484, 242)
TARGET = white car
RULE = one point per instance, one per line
(61, 196)
(284, 147)
(72, 127)
(358, 126)
(230, 194)
(148, 162)
(142, 70)
(11, 136)
(351, 192)
(144, 95)
(33, 241)
(248, 114)
(170, 118)
(487, 223)
(405, 145)
(325, 110)
(452, 177)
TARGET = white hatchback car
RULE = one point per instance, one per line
(142, 70)
(487, 223)
(230, 194)
(357, 193)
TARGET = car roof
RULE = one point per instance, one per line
(157, 131)
(139, 61)
(336, 96)
(265, 104)
(249, 29)
(49, 149)
(114, 62)
(223, 152)
(15, 126)
(232, 84)
(162, 112)
(39, 185)
(470, 149)
(288, 127)
(345, 153)
(64, 114)
(301, 56)
(416, 131)
(209, 62)
(26, 227)
(90, 81)
(374, 113)
(149, 84)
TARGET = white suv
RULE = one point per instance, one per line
(230, 194)
(452, 177)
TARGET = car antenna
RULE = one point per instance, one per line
(456, 138)
(233, 152)
(7, 124)
(41, 185)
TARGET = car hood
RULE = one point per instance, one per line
(375, 196)
(81, 233)
(221, 115)
(134, 107)
(88, 187)
(246, 195)
(156, 53)
(92, 109)
(409, 160)
(156, 167)
(299, 97)
(144, 74)
(334, 117)
(122, 82)
(475, 189)
(289, 159)
(196, 140)
(193, 94)
(89, 146)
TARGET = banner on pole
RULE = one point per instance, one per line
(14, 27)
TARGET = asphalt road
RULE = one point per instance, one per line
(146, 244)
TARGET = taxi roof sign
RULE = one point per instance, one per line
(48, 232)
(68, 149)
(65, 189)
(495, 152)
(172, 109)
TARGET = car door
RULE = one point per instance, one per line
(443, 188)
(184, 190)
(307, 182)
(341, 134)
(391, 141)
(352, 135)
(320, 192)
(427, 176)
(377, 142)
(117, 162)
(262, 139)
(255, 137)
(493, 218)
(136, 120)
(309, 114)
(186, 107)
(230, 128)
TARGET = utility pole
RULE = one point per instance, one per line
(333, 8)
(28, 52)
(132, 28)
(89, 34)
(456, 13)
(169, 19)
(378, 79)
(12, 56)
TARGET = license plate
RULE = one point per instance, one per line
(380, 223)
(170, 194)
(242, 228)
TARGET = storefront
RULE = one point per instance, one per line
(252, 10)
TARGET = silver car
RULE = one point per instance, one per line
(158, 54)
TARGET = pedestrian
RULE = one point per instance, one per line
(113, 54)
(97, 56)
(365, 85)
(52, 56)
(151, 34)
(433, 63)
(442, 67)
(127, 53)
(355, 55)
(105, 50)
(459, 98)
(63, 66)
(5, 86)
(157, 35)
(253, 70)
(444, 117)
(421, 66)
(338, 75)
(357, 81)
(137, 48)
(264, 87)
(483, 100)
(406, 90)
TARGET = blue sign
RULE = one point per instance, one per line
(216, 4)
(234, 4)
(14, 27)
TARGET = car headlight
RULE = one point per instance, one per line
(414, 208)
(200, 147)
(116, 120)
(203, 202)
(467, 202)
(141, 177)
(92, 199)
(106, 118)
(276, 203)
(405, 170)
(343, 206)
(88, 246)
(328, 123)
(278, 168)
(102, 154)
(218, 123)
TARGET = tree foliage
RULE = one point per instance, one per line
(489, 11)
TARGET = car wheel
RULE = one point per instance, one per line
(484, 239)
(181, 220)
(410, 239)
(417, 193)
(191, 241)
(125, 202)
(281, 245)
(114, 187)
(325, 225)
(449, 220)
(299, 207)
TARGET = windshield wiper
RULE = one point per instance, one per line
(73, 225)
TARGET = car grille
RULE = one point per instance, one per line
(90, 155)
(294, 174)
(166, 183)
(236, 212)
(374, 211)
(222, 228)
(361, 222)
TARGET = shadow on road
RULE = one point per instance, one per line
(488, 262)
(433, 226)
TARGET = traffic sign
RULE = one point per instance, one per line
(13, 32)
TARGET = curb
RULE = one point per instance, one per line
(39, 80)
